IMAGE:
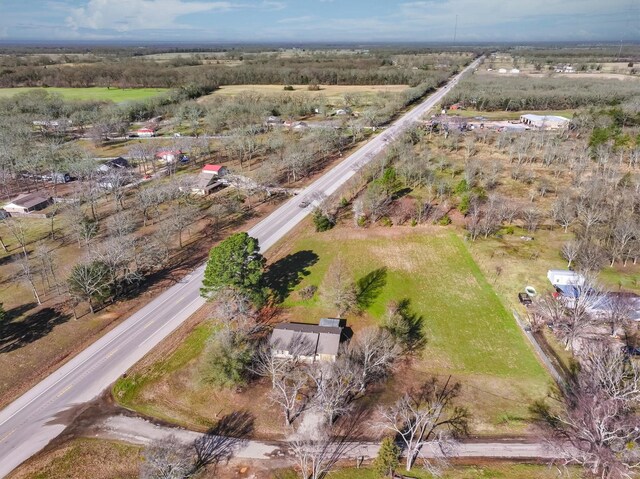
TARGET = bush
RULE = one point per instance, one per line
(322, 222)
(288, 88)
(227, 360)
(465, 204)
(313, 87)
(445, 220)
(386, 221)
(461, 187)
(308, 292)
(388, 458)
(362, 221)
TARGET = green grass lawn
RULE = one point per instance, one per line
(116, 95)
(470, 333)
(488, 471)
(468, 328)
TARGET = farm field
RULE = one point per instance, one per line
(116, 95)
(329, 91)
(470, 334)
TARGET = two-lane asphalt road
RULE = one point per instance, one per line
(34, 419)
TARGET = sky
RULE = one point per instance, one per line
(328, 21)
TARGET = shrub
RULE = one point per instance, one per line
(288, 88)
(386, 221)
(308, 292)
(313, 87)
(445, 220)
(362, 221)
(465, 204)
(227, 360)
(462, 187)
(322, 222)
(388, 458)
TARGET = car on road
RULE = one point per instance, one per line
(304, 203)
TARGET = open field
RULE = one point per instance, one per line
(116, 95)
(470, 334)
(331, 92)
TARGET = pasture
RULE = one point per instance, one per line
(116, 95)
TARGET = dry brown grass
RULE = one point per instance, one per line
(84, 459)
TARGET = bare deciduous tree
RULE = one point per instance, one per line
(339, 287)
(167, 458)
(288, 392)
(593, 421)
(426, 418)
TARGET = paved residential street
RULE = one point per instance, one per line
(34, 419)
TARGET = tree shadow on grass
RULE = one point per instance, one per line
(16, 334)
(370, 286)
(286, 273)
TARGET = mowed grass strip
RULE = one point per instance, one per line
(116, 95)
(469, 331)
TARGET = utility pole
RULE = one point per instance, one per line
(455, 30)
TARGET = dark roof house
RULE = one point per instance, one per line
(28, 202)
(308, 342)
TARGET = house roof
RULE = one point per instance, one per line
(545, 118)
(212, 168)
(169, 152)
(321, 339)
(29, 200)
(205, 180)
(151, 130)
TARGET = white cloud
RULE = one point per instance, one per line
(303, 19)
(128, 15)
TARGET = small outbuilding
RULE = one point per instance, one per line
(307, 342)
(566, 282)
(28, 202)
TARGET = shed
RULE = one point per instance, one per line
(28, 202)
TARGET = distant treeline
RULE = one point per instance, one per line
(491, 93)
(263, 69)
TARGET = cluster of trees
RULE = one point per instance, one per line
(367, 69)
(592, 418)
(486, 93)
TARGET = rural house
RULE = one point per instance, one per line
(28, 202)
(308, 342)
(146, 132)
(169, 156)
(208, 179)
(113, 163)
